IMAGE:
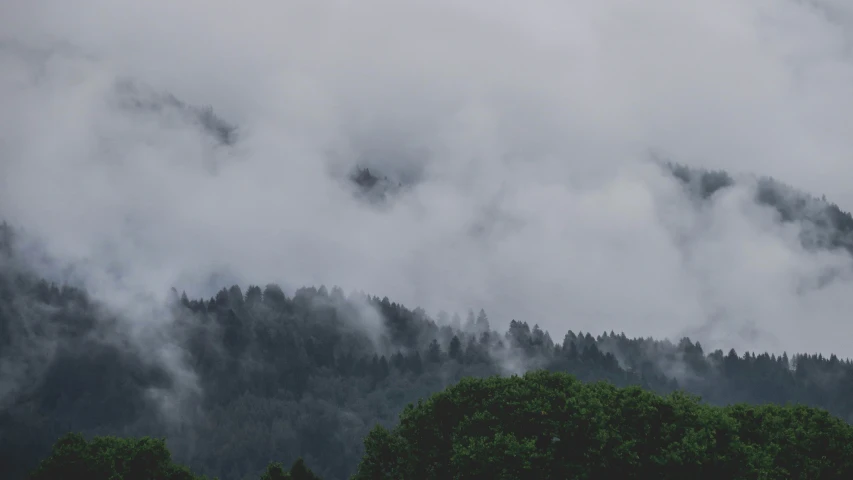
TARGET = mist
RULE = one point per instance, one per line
(199, 144)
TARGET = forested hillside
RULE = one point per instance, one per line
(542, 425)
(253, 375)
(426, 240)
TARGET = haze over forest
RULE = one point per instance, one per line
(662, 170)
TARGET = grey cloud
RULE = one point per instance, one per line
(527, 126)
(135, 97)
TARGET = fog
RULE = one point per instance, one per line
(523, 134)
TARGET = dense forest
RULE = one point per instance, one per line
(547, 425)
(253, 375)
(542, 425)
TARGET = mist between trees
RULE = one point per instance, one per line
(249, 377)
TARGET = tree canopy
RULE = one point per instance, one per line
(114, 458)
(552, 426)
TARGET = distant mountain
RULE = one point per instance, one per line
(827, 226)
(141, 99)
(373, 188)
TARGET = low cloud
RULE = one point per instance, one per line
(521, 133)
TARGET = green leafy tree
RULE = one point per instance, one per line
(298, 471)
(110, 458)
(275, 471)
(552, 426)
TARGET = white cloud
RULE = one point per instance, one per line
(526, 124)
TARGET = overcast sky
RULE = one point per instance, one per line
(527, 127)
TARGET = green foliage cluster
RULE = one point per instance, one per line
(114, 458)
(110, 458)
(552, 426)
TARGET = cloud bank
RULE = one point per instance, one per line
(523, 132)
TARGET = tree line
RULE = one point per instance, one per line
(542, 425)
(285, 377)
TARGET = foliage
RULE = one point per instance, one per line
(113, 458)
(287, 377)
(275, 471)
(542, 425)
(550, 425)
(110, 458)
